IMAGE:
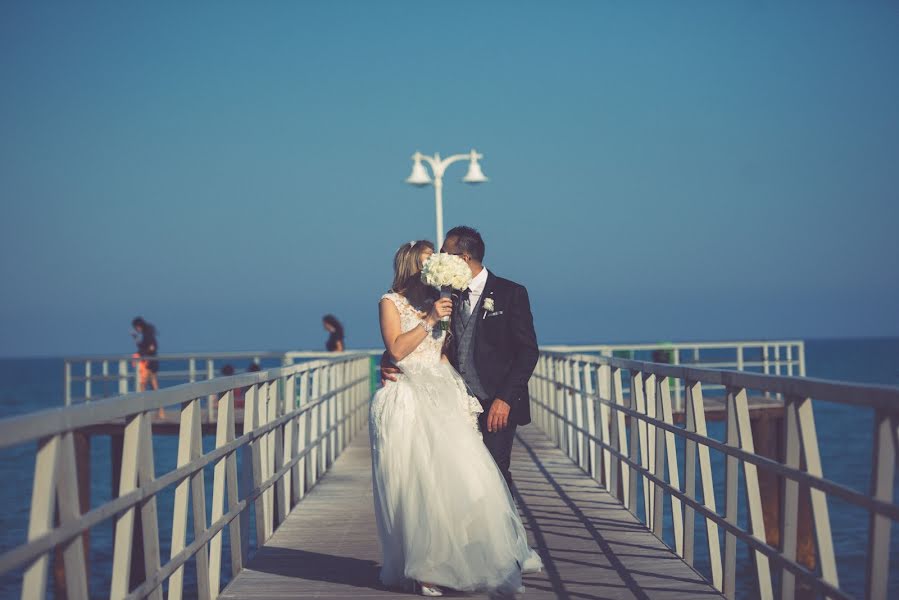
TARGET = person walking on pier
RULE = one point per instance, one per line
(445, 516)
(335, 329)
(145, 337)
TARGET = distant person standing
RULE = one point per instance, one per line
(144, 335)
(335, 340)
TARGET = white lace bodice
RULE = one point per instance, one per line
(428, 351)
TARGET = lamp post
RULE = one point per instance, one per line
(420, 177)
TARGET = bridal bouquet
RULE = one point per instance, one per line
(446, 272)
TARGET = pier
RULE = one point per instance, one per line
(615, 481)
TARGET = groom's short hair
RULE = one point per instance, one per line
(469, 241)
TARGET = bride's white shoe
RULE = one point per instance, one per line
(533, 564)
(429, 590)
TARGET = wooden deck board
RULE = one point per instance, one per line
(593, 549)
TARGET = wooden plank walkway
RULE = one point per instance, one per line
(592, 547)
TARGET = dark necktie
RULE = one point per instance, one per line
(466, 301)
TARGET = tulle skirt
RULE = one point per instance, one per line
(444, 513)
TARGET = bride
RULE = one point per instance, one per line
(444, 513)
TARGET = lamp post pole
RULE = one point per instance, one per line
(438, 205)
(420, 177)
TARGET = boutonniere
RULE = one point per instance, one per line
(488, 307)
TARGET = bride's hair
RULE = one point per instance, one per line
(407, 269)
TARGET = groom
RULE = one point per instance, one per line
(493, 346)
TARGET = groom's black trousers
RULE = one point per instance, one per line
(499, 443)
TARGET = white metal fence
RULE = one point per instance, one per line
(90, 377)
(625, 440)
(296, 421)
(769, 357)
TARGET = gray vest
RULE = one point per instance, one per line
(465, 329)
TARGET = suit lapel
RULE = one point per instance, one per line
(489, 288)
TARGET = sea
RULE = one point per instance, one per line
(844, 435)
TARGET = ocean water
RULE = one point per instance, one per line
(33, 384)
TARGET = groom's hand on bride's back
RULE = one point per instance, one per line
(389, 371)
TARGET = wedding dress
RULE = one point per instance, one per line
(444, 513)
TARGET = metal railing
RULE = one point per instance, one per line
(296, 420)
(88, 378)
(770, 357)
(580, 402)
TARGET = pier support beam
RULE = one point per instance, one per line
(767, 437)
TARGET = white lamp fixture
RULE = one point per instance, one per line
(474, 175)
(419, 177)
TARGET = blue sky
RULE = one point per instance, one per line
(659, 171)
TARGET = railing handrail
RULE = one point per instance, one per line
(884, 397)
(374, 351)
(668, 345)
(218, 355)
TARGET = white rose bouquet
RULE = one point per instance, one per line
(446, 272)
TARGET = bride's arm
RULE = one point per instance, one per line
(399, 345)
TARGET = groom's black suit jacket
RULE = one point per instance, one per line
(505, 346)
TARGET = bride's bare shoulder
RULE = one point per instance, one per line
(392, 299)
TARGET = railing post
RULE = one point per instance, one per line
(621, 475)
(190, 496)
(192, 370)
(820, 513)
(224, 484)
(577, 413)
(753, 493)
(104, 369)
(883, 473)
(300, 468)
(40, 520)
(123, 377)
(325, 417)
(640, 445)
(670, 455)
(678, 391)
(696, 423)
(801, 351)
(730, 498)
(332, 414)
(777, 365)
(542, 394)
(603, 414)
(548, 399)
(279, 451)
(287, 497)
(591, 410)
(312, 428)
(789, 350)
(87, 381)
(789, 526)
(558, 400)
(212, 399)
(67, 374)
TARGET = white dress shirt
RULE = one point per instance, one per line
(476, 287)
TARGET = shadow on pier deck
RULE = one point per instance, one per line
(592, 547)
